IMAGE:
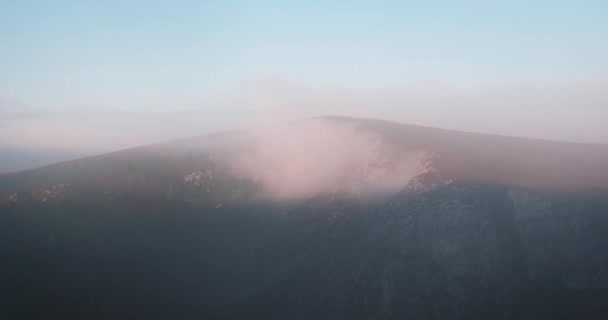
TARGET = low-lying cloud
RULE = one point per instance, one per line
(313, 157)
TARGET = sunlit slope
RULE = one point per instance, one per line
(207, 167)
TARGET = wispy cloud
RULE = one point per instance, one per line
(310, 157)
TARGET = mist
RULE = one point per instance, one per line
(572, 111)
(308, 158)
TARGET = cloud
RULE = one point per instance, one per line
(313, 157)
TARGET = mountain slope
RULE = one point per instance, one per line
(332, 218)
(157, 170)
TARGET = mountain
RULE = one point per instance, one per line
(18, 159)
(325, 218)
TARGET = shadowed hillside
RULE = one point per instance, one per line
(329, 218)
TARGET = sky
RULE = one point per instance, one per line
(153, 70)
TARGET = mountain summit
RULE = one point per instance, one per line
(303, 159)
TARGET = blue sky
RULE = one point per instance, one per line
(170, 55)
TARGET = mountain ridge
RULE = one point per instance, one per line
(470, 157)
(321, 221)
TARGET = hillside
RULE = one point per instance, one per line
(213, 162)
(331, 218)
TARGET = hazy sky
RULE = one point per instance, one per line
(416, 61)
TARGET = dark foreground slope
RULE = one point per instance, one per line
(169, 232)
